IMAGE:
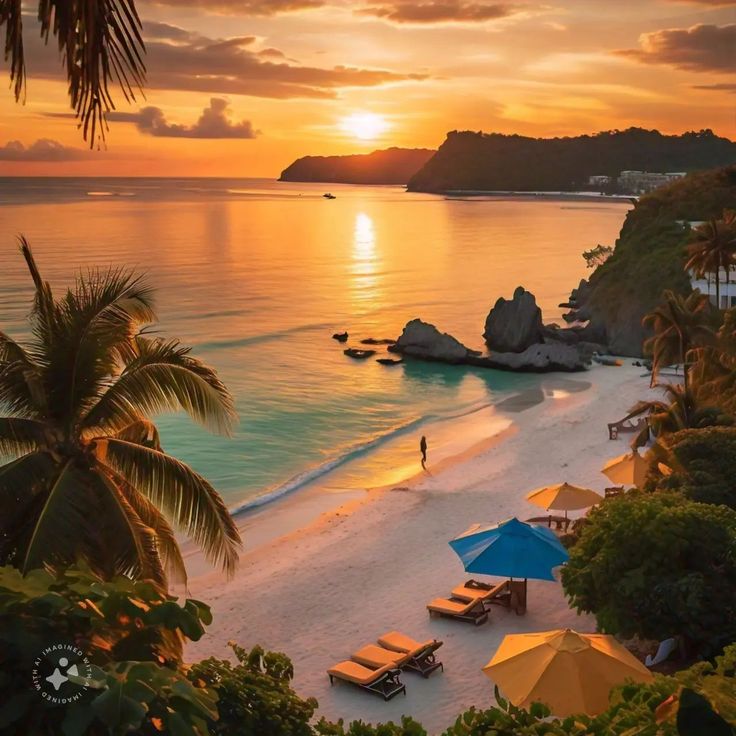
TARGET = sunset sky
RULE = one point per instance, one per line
(243, 87)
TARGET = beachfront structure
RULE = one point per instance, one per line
(726, 287)
(599, 180)
(639, 182)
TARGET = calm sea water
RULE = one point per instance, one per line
(257, 275)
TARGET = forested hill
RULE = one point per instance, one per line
(491, 161)
(390, 166)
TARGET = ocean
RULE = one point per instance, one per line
(257, 275)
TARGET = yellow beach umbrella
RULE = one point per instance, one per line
(628, 470)
(570, 672)
(564, 497)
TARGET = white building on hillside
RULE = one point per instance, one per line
(707, 285)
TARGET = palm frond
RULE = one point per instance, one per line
(184, 496)
(21, 380)
(98, 322)
(21, 484)
(164, 377)
(131, 543)
(11, 16)
(19, 436)
(166, 544)
(65, 506)
(101, 44)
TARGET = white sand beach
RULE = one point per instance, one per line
(370, 566)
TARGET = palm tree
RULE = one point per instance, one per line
(712, 248)
(714, 370)
(679, 324)
(666, 417)
(100, 42)
(86, 476)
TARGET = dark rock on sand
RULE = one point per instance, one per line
(423, 340)
(514, 324)
(359, 354)
(389, 361)
(538, 358)
(340, 336)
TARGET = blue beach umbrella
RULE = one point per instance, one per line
(511, 549)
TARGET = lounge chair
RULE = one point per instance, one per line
(616, 428)
(499, 594)
(383, 681)
(473, 611)
(420, 656)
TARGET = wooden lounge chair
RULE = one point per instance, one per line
(473, 611)
(383, 681)
(499, 594)
(616, 428)
(419, 656)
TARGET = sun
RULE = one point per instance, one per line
(364, 125)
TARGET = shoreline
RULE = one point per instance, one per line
(324, 588)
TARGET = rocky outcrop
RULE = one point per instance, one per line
(390, 166)
(514, 324)
(423, 340)
(538, 358)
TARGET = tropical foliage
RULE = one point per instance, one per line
(132, 635)
(657, 565)
(597, 256)
(703, 463)
(255, 695)
(680, 324)
(101, 44)
(86, 475)
(712, 249)
(139, 686)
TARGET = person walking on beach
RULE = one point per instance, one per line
(423, 450)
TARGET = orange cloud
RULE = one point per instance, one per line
(44, 149)
(244, 7)
(213, 123)
(701, 48)
(439, 11)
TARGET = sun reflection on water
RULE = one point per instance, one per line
(365, 263)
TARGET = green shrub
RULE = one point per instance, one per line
(255, 695)
(704, 462)
(132, 637)
(657, 565)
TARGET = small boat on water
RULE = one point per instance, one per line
(327, 195)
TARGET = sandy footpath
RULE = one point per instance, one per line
(371, 566)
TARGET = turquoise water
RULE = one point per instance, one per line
(257, 275)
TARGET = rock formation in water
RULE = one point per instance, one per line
(424, 341)
(390, 166)
(514, 324)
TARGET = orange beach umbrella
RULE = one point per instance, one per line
(564, 497)
(628, 470)
(570, 672)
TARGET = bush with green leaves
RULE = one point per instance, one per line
(132, 635)
(255, 695)
(658, 565)
(704, 465)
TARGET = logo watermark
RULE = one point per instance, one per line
(59, 674)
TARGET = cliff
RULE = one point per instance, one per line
(480, 161)
(390, 166)
(649, 257)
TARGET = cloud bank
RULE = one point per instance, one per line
(700, 48)
(439, 11)
(244, 7)
(213, 123)
(44, 149)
